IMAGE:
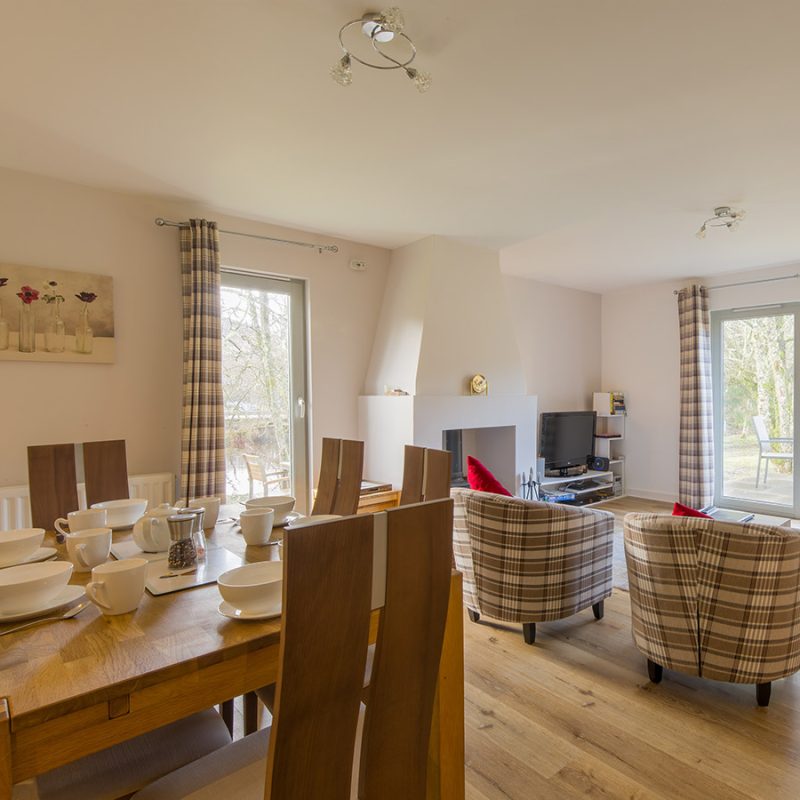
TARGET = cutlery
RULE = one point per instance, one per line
(72, 612)
(179, 574)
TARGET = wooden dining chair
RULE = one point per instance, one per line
(52, 483)
(426, 474)
(105, 470)
(339, 487)
(410, 582)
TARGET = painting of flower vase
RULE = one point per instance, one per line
(55, 315)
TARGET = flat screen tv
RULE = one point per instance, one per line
(567, 438)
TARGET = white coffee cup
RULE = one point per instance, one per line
(81, 520)
(211, 506)
(89, 548)
(257, 525)
(118, 586)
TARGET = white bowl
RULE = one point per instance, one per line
(31, 586)
(16, 546)
(253, 587)
(123, 513)
(283, 505)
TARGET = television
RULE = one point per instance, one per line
(567, 438)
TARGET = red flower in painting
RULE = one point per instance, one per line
(28, 295)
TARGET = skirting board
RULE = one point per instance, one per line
(646, 494)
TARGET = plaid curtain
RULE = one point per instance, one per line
(203, 432)
(696, 472)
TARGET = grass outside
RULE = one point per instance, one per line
(740, 461)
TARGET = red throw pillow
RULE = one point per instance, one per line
(481, 480)
(680, 510)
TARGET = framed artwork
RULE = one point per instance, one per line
(55, 315)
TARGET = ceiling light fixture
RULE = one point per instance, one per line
(724, 217)
(380, 29)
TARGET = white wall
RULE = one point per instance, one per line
(641, 357)
(444, 318)
(45, 222)
(558, 332)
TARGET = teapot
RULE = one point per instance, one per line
(151, 532)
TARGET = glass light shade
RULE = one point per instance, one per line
(392, 20)
(422, 80)
(341, 71)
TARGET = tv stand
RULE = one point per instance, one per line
(566, 472)
(603, 488)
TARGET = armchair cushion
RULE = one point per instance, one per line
(481, 479)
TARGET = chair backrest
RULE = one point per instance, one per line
(761, 430)
(426, 474)
(339, 486)
(327, 592)
(717, 599)
(52, 483)
(397, 725)
(255, 470)
(105, 470)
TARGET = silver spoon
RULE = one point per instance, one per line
(72, 612)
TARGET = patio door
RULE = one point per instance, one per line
(755, 417)
(264, 385)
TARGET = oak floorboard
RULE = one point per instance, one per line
(575, 716)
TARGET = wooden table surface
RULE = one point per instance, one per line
(73, 687)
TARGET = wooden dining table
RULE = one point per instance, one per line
(73, 687)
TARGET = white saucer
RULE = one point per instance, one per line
(291, 517)
(68, 595)
(231, 612)
(42, 554)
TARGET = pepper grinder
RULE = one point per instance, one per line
(181, 550)
(198, 535)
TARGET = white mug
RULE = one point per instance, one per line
(81, 520)
(118, 586)
(87, 549)
(257, 525)
(211, 506)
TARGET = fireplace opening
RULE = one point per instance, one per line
(493, 446)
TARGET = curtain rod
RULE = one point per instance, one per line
(748, 283)
(330, 248)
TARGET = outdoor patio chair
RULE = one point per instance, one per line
(766, 448)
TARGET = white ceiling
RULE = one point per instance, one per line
(589, 138)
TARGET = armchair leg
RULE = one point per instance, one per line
(598, 609)
(655, 671)
(529, 632)
(474, 616)
(763, 691)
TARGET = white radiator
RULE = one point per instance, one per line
(15, 510)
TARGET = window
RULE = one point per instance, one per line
(264, 386)
(754, 368)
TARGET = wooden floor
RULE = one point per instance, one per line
(574, 715)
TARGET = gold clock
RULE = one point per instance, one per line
(478, 384)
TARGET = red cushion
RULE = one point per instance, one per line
(680, 510)
(481, 480)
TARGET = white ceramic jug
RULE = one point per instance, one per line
(151, 532)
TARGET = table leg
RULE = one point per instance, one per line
(446, 779)
(5, 751)
(226, 712)
(250, 713)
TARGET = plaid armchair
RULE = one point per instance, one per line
(530, 562)
(719, 600)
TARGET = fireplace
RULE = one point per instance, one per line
(493, 446)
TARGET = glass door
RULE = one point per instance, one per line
(754, 361)
(264, 386)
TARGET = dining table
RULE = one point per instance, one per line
(73, 687)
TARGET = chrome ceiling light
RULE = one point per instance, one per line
(724, 217)
(380, 29)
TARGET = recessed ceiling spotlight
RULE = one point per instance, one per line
(380, 28)
(724, 217)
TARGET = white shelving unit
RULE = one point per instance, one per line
(609, 441)
(605, 481)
